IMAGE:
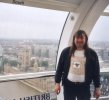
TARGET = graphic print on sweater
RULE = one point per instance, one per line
(77, 69)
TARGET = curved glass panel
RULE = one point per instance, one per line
(29, 38)
(28, 89)
(99, 40)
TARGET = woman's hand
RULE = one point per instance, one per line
(97, 92)
(57, 88)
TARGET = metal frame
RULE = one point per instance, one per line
(101, 98)
(15, 77)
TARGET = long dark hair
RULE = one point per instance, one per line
(79, 33)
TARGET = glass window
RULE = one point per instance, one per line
(99, 40)
(29, 38)
(28, 89)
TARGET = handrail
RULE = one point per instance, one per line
(14, 77)
(101, 98)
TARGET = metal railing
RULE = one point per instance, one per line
(101, 98)
(15, 77)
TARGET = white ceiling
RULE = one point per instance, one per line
(77, 2)
(65, 5)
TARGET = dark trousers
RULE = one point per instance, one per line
(77, 91)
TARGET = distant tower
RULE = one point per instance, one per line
(24, 58)
(1, 60)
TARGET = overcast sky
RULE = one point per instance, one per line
(100, 31)
(27, 22)
(34, 23)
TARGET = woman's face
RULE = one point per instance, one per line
(80, 41)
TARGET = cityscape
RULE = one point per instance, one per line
(26, 56)
(102, 49)
(19, 56)
(29, 42)
(29, 56)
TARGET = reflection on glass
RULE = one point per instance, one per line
(104, 85)
(29, 89)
